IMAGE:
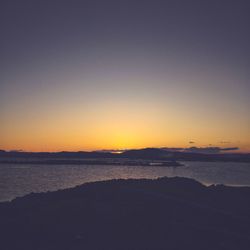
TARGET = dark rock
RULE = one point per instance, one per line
(167, 213)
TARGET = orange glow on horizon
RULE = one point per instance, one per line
(130, 124)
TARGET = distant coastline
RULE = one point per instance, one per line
(143, 156)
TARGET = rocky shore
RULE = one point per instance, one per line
(167, 213)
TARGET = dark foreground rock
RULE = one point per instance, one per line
(168, 213)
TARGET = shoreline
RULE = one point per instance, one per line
(95, 162)
(163, 213)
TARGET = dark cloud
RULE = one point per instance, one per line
(204, 150)
(209, 150)
(229, 149)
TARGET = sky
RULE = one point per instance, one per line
(90, 75)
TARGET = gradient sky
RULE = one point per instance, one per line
(86, 75)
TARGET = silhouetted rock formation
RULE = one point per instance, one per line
(168, 213)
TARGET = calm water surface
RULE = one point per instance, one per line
(18, 180)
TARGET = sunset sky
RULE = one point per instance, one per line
(88, 75)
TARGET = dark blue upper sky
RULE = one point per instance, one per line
(76, 55)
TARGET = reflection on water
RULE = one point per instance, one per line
(18, 180)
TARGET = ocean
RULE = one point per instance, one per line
(20, 179)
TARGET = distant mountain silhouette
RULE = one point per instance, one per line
(143, 154)
(146, 153)
(164, 154)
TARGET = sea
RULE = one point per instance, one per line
(17, 180)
